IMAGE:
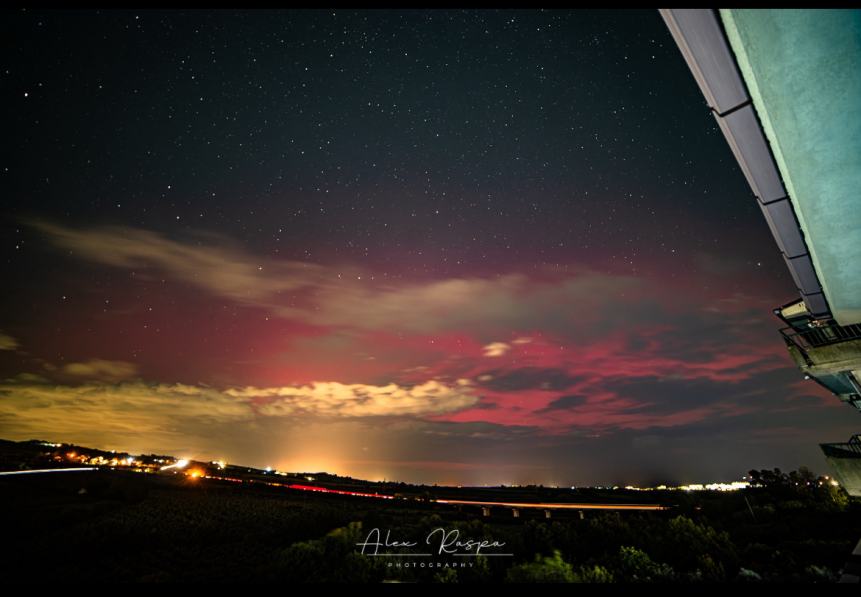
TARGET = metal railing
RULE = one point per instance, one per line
(854, 447)
(815, 337)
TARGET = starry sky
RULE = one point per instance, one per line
(467, 247)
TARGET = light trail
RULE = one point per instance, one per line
(545, 506)
(337, 491)
(315, 488)
(558, 506)
(48, 470)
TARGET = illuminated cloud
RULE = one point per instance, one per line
(496, 349)
(333, 399)
(7, 342)
(101, 370)
(135, 408)
(34, 407)
(605, 337)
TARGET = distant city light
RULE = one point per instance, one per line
(182, 463)
(734, 486)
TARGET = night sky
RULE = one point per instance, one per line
(454, 247)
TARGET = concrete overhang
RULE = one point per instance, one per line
(785, 89)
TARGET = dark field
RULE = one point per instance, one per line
(122, 526)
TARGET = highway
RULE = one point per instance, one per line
(550, 506)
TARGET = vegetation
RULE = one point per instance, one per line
(110, 526)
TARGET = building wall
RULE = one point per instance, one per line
(803, 71)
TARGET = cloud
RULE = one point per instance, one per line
(526, 378)
(565, 402)
(347, 296)
(496, 349)
(95, 408)
(642, 352)
(220, 268)
(101, 370)
(335, 399)
(7, 342)
(32, 407)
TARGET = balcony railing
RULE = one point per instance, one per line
(815, 337)
(851, 449)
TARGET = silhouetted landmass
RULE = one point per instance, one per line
(109, 525)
